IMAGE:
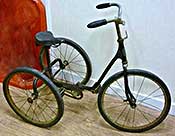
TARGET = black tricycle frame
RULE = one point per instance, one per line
(75, 90)
(120, 54)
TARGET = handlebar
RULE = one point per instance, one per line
(97, 23)
(107, 5)
(101, 22)
(103, 5)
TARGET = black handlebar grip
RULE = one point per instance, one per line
(104, 5)
(97, 23)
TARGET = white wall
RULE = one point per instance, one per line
(150, 25)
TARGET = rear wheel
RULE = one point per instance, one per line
(152, 101)
(33, 97)
(75, 64)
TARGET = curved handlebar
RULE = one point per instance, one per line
(106, 5)
(97, 23)
(104, 21)
(103, 5)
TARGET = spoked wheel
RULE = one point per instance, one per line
(152, 101)
(33, 97)
(75, 64)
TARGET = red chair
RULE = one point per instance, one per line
(20, 20)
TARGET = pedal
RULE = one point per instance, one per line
(74, 94)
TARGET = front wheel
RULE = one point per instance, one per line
(33, 97)
(152, 101)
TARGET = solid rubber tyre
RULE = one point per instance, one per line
(153, 101)
(43, 111)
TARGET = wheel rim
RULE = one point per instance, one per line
(42, 110)
(146, 115)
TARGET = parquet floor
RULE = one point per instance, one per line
(81, 118)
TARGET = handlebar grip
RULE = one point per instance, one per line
(104, 5)
(97, 23)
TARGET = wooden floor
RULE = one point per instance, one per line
(81, 118)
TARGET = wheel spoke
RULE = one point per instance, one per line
(23, 104)
(121, 113)
(30, 105)
(44, 109)
(148, 96)
(53, 54)
(66, 51)
(15, 94)
(41, 113)
(60, 51)
(151, 105)
(19, 101)
(142, 113)
(115, 106)
(133, 83)
(75, 62)
(73, 80)
(140, 88)
(34, 113)
(75, 57)
(149, 110)
(77, 72)
(120, 86)
(46, 105)
(133, 121)
(70, 55)
(126, 118)
(116, 93)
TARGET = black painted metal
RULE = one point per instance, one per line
(120, 54)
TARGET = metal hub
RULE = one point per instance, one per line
(65, 63)
(30, 100)
(132, 104)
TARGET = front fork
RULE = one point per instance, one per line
(129, 96)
